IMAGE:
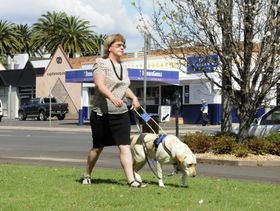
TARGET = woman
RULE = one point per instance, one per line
(110, 121)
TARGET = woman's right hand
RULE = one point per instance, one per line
(117, 101)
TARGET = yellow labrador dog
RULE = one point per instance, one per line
(166, 149)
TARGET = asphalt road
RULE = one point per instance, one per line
(65, 143)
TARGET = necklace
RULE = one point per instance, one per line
(121, 73)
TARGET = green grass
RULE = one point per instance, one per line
(24, 187)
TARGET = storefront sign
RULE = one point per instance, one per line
(199, 64)
(154, 75)
(86, 75)
(79, 75)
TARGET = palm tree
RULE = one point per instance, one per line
(98, 42)
(44, 30)
(74, 34)
(24, 35)
(9, 43)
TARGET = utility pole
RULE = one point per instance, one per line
(147, 47)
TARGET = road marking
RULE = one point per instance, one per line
(49, 159)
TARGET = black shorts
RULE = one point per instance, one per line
(110, 129)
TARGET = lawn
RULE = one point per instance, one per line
(25, 187)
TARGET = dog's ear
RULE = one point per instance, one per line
(180, 157)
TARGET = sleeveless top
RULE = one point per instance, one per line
(114, 82)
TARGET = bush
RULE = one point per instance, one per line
(198, 142)
(275, 148)
(241, 151)
(224, 144)
(273, 137)
(259, 145)
(227, 143)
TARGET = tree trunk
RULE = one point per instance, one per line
(244, 127)
(226, 113)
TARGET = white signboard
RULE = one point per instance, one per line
(164, 113)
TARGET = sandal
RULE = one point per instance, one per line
(85, 180)
(136, 184)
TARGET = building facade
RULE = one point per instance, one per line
(167, 81)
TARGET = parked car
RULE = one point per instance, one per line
(268, 122)
(1, 110)
(42, 108)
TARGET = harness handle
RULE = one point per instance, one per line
(146, 117)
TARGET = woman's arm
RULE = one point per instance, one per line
(99, 80)
(134, 100)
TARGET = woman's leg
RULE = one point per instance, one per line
(126, 162)
(93, 156)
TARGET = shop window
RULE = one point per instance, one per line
(139, 92)
(187, 94)
(26, 93)
(168, 96)
(91, 91)
(152, 93)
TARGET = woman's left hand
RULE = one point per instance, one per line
(135, 104)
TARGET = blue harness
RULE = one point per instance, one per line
(159, 140)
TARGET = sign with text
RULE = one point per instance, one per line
(199, 64)
(86, 75)
(79, 75)
(154, 75)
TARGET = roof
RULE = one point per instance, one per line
(78, 62)
(10, 77)
(21, 77)
(40, 63)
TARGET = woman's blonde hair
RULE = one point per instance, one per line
(109, 41)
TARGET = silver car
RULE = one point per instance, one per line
(268, 122)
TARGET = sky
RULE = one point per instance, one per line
(106, 16)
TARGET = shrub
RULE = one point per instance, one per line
(224, 144)
(259, 145)
(273, 137)
(219, 134)
(198, 142)
(275, 148)
(241, 151)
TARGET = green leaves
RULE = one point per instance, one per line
(51, 30)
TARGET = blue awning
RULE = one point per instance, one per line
(154, 75)
(79, 75)
(86, 75)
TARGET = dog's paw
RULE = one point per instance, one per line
(161, 184)
(137, 177)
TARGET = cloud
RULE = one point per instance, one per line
(107, 16)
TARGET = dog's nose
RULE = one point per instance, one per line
(192, 171)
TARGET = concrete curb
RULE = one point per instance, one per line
(238, 162)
